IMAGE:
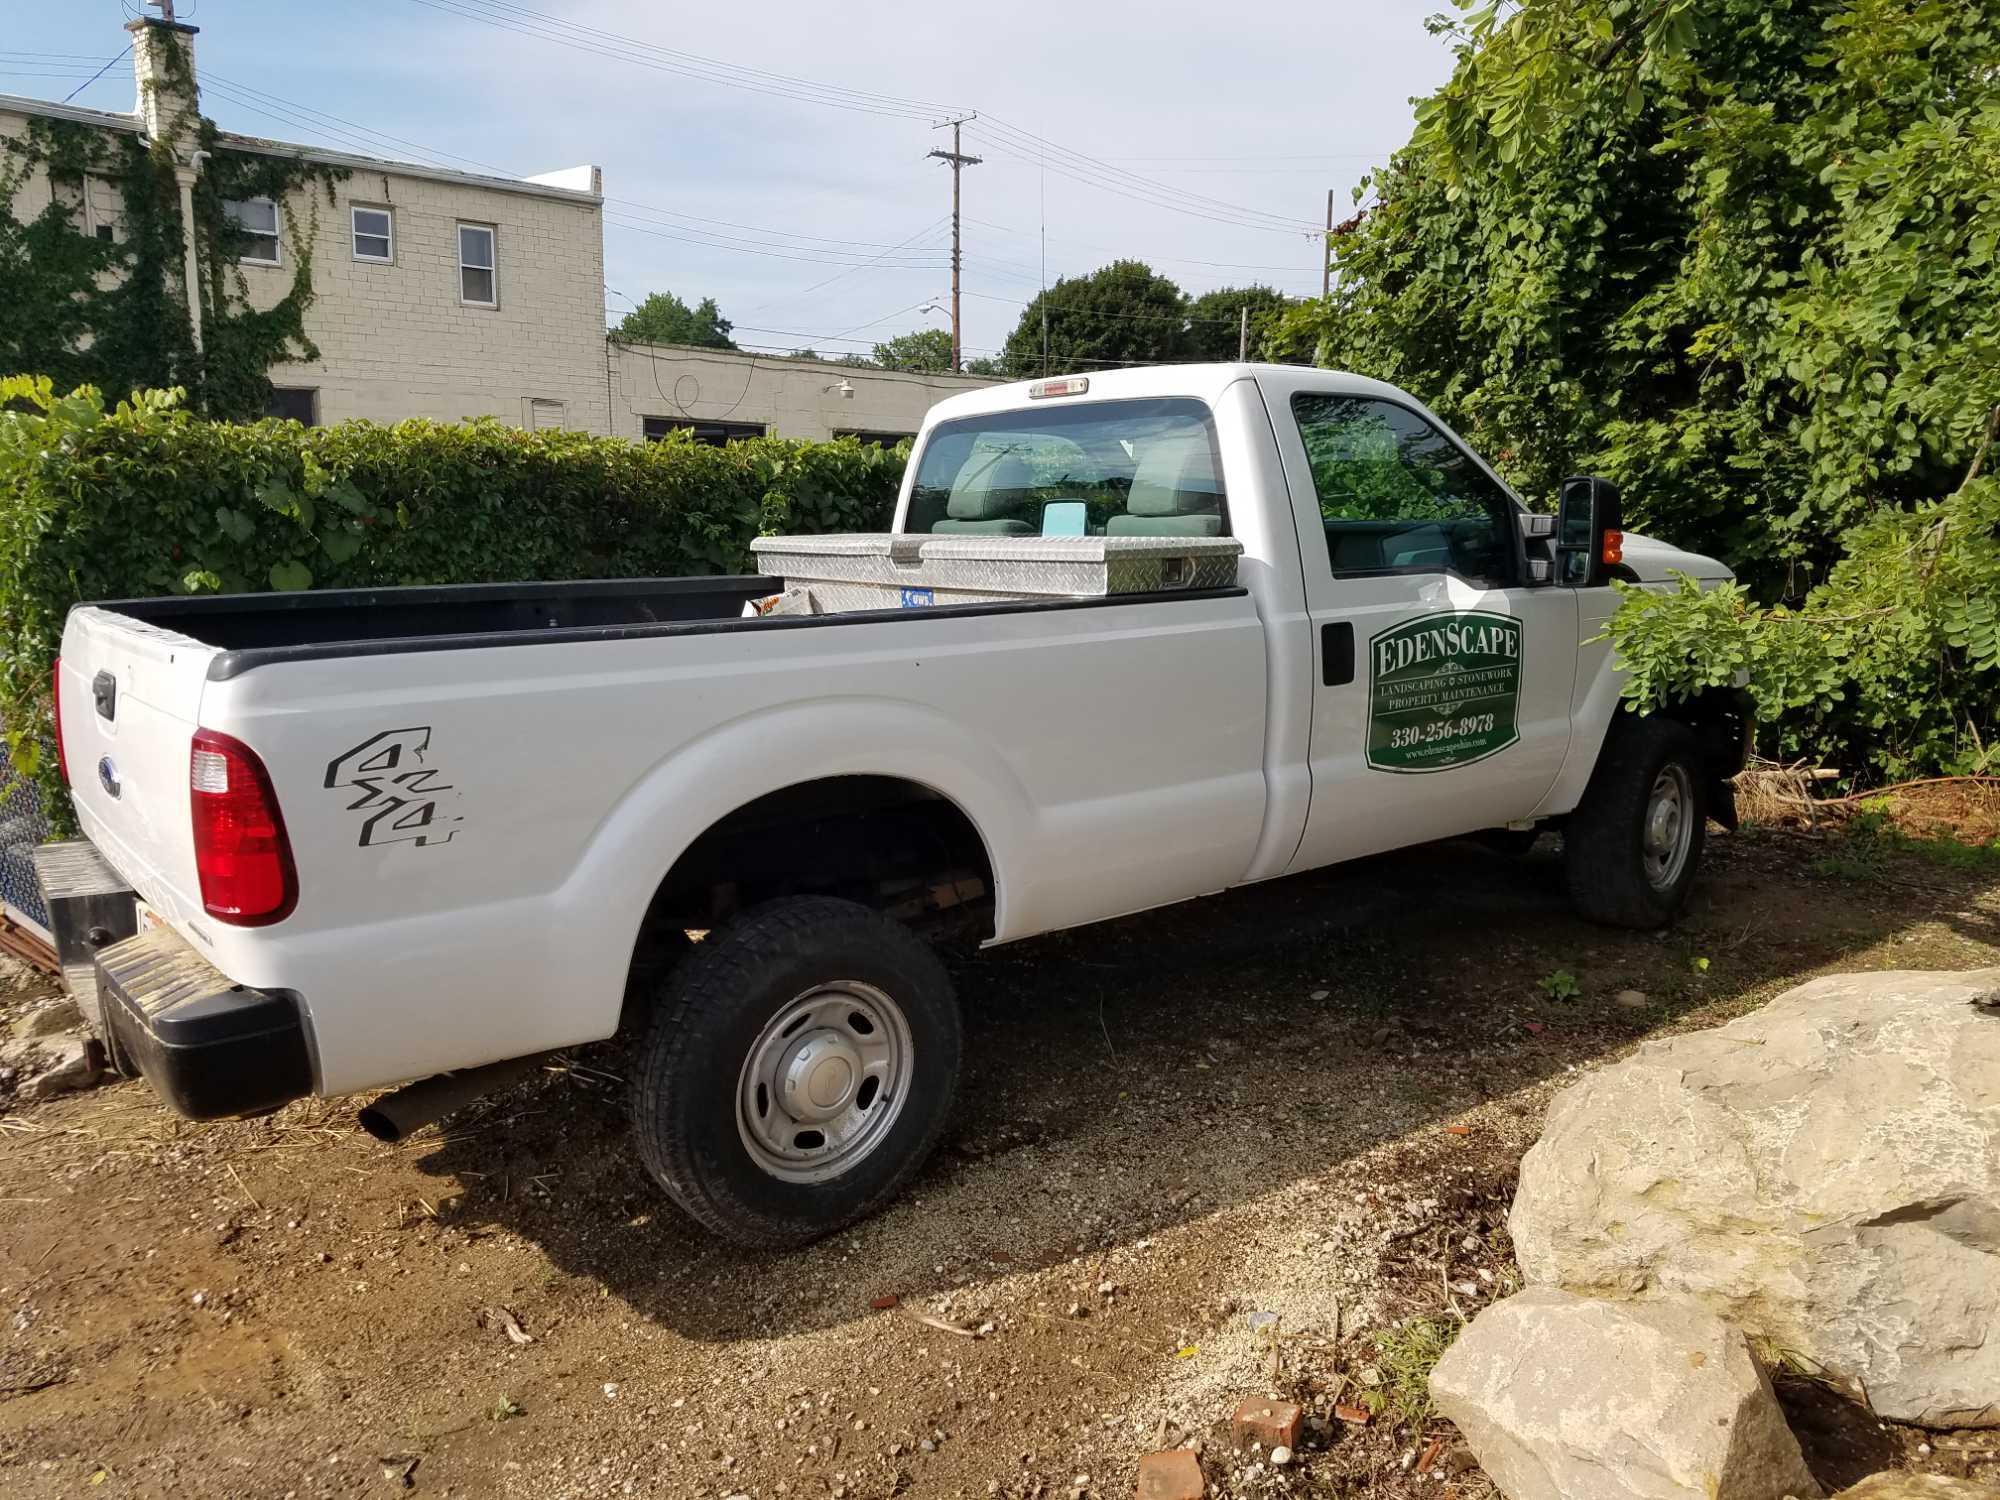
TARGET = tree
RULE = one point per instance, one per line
(985, 366)
(1214, 320)
(928, 349)
(1740, 258)
(1124, 314)
(664, 319)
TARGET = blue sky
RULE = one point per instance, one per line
(1195, 137)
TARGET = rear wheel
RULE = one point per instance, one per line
(799, 1068)
(1631, 847)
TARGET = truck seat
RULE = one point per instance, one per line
(987, 498)
(1174, 491)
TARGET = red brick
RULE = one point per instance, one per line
(1275, 1424)
(1174, 1474)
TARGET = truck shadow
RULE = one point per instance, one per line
(1127, 1077)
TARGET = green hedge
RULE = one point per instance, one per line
(149, 499)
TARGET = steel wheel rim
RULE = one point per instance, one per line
(824, 1082)
(1669, 827)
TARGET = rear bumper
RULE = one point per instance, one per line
(209, 1048)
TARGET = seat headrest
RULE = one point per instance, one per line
(988, 487)
(1175, 477)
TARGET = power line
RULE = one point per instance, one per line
(737, 249)
(97, 75)
(664, 60)
(1117, 316)
(1010, 139)
(289, 111)
(935, 224)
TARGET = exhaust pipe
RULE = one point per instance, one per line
(399, 1115)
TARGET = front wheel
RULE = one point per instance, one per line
(799, 1068)
(1631, 847)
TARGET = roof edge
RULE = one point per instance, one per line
(264, 146)
(48, 108)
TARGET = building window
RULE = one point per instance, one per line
(478, 283)
(544, 414)
(715, 434)
(294, 404)
(881, 439)
(374, 234)
(257, 218)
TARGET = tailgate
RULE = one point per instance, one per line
(131, 696)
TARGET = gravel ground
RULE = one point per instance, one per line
(1304, 1100)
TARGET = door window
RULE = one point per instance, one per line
(1396, 495)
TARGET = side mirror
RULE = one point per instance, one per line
(1590, 530)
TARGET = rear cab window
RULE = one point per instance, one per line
(1103, 468)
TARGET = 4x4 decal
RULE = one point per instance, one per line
(398, 791)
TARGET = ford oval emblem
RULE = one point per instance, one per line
(107, 777)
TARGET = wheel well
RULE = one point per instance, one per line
(1723, 720)
(886, 842)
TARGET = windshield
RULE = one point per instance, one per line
(1105, 468)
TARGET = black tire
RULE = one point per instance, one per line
(718, 1007)
(1605, 849)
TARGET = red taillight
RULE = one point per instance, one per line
(240, 849)
(62, 760)
(1614, 548)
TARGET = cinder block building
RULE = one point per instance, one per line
(453, 295)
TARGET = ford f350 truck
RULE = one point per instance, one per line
(337, 841)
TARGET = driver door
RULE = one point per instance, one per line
(1441, 701)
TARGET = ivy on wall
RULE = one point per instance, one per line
(113, 312)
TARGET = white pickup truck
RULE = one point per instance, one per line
(336, 841)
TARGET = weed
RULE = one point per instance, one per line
(1409, 1351)
(1869, 840)
(504, 1408)
(1561, 985)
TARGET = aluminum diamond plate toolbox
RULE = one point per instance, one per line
(885, 572)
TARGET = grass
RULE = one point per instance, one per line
(1409, 1351)
(1870, 842)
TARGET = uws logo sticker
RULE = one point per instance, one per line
(398, 793)
(1443, 691)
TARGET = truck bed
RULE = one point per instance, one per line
(254, 630)
(362, 617)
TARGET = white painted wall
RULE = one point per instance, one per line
(791, 397)
(396, 340)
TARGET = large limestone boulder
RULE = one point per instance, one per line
(1918, 1487)
(1824, 1174)
(1566, 1398)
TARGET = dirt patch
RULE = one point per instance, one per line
(1304, 1100)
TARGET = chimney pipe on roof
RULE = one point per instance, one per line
(163, 65)
(169, 108)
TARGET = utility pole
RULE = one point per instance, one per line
(959, 162)
(1243, 332)
(1326, 252)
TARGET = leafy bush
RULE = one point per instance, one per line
(1741, 258)
(1891, 667)
(148, 499)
